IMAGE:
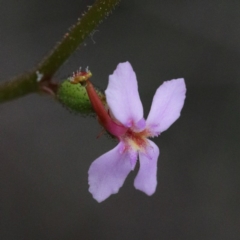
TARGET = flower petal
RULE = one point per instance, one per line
(108, 173)
(146, 179)
(166, 106)
(122, 95)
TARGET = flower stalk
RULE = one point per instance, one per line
(104, 118)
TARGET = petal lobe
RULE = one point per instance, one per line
(122, 95)
(167, 105)
(108, 173)
(146, 179)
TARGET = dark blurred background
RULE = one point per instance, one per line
(46, 151)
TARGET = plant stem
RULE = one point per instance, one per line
(18, 87)
(29, 83)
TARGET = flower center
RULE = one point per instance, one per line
(136, 140)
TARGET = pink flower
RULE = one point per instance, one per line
(124, 119)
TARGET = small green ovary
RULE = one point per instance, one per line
(74, 97)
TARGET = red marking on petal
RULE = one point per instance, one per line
(136, 139)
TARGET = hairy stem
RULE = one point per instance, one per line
(32, 82)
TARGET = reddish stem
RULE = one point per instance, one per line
(103, 116)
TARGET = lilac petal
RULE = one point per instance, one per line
(167, 105)
(133, 155)
(122, 95)
(108, 173)
(146, 179)
(140, 125)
